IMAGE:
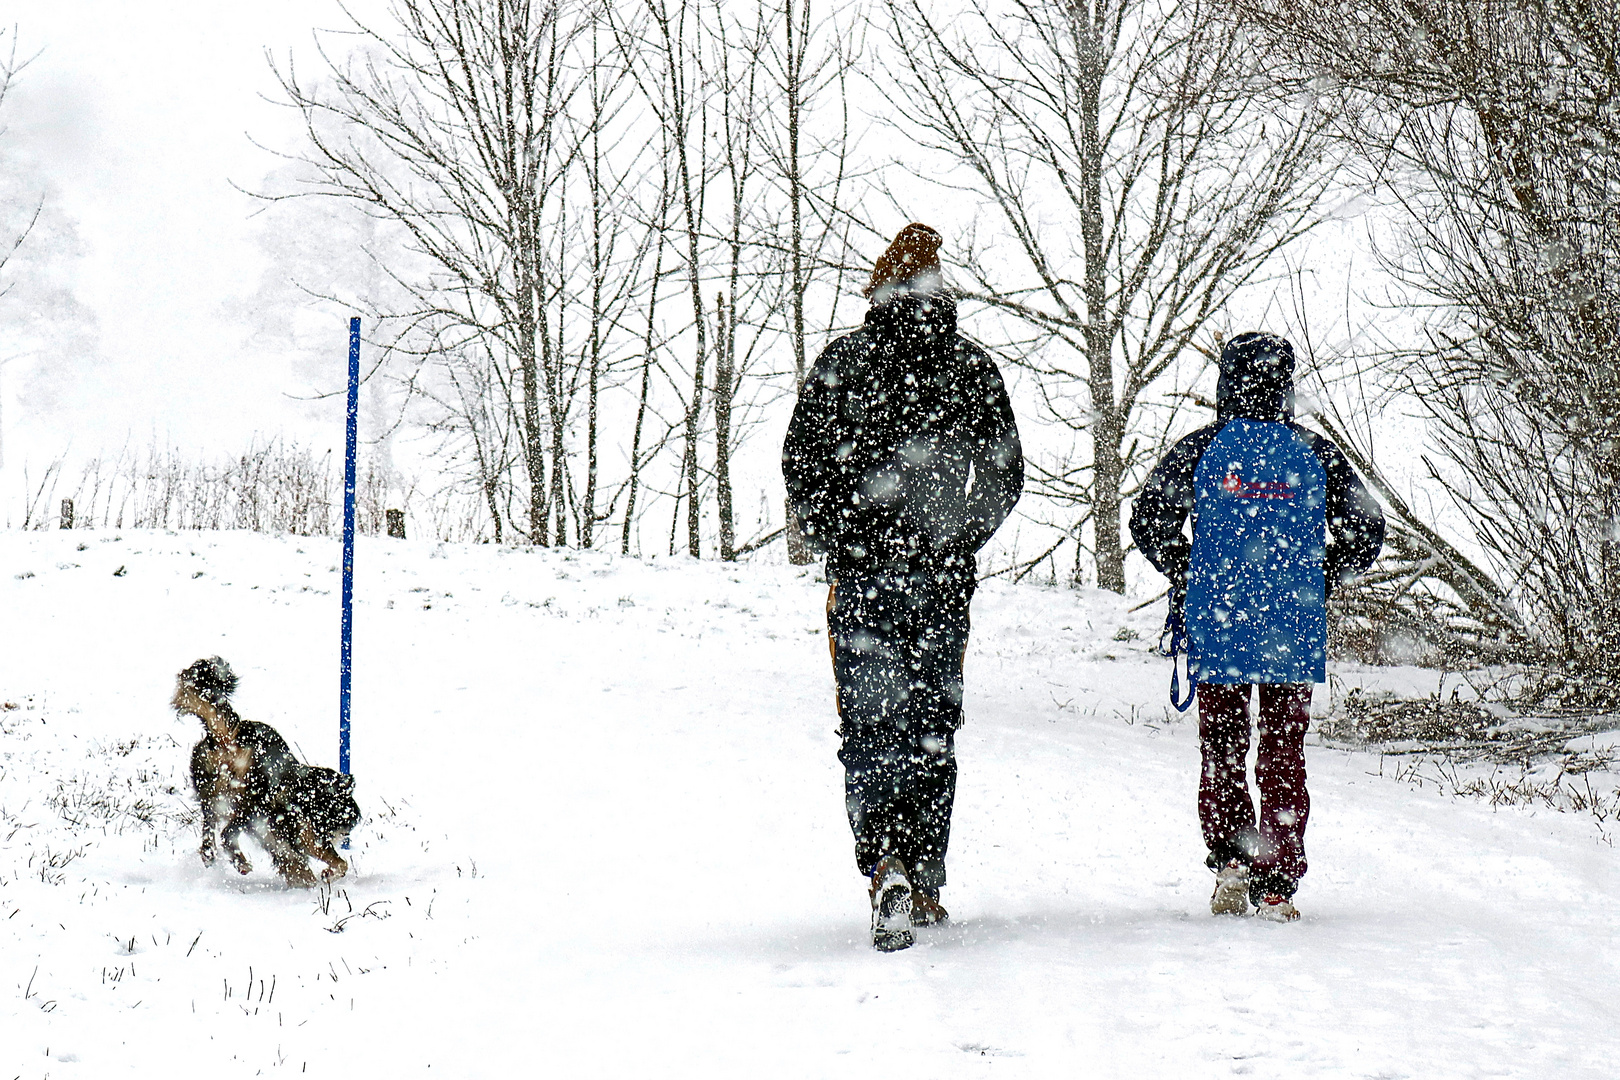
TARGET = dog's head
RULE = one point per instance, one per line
(325, 797)
(211, 681)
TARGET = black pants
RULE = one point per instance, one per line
(897, 642)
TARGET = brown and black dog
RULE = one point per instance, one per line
(245, 776)
(312, 812)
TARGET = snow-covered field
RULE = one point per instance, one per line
(605, 837)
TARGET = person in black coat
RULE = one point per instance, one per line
(901, 460)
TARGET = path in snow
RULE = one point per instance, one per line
(606, 837)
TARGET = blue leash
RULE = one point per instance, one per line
(1175, 634)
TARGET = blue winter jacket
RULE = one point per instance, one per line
(1279, 520)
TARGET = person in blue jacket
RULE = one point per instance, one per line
(1279, 520)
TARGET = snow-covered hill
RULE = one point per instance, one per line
(605, 837)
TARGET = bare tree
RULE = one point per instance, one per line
(795, 52)
(657, 227)
(1495, 126)
(450, 127)
(1138, 173)
(480, 418)
(737, 48)
(42, 316)
(811, 61)
(10, 67)
(550, 301)
(756, 271)
(674, 87)
(615, 173)
(705, 74)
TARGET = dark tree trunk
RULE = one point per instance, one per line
(725, 342)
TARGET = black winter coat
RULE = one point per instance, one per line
(903, 453)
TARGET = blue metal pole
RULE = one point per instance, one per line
(346, 657)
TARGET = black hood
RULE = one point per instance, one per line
(914, 329)
(1257, 379)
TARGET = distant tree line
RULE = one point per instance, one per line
(624, 220)
(627, 225)
(614, 219)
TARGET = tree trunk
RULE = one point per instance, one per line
(679, 103)
(490, 499)
(534, 456)
(552, 371)
(646, 383)
(798, 551)
(694, 411)
(1106, 429)
(635, 455)
(725, 342)
(587, 517)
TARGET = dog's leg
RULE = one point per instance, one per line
(232, 841)
(336, 867)
(322, 849)
(210, 825)
(292, 863)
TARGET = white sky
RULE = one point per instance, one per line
(134, 119)
(139, 116)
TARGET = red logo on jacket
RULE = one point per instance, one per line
(1256, 489)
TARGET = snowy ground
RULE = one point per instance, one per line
(605, 837)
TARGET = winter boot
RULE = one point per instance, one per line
(1231, 896)
(891, 906)
(1273, 897)
(926, 910)
(1275, 908)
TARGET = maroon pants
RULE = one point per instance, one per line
(1276, 848)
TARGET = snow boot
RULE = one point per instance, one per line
(1273, 897)
(926, 910)
(1231, 896)
(891, 906)
(1274, 908)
